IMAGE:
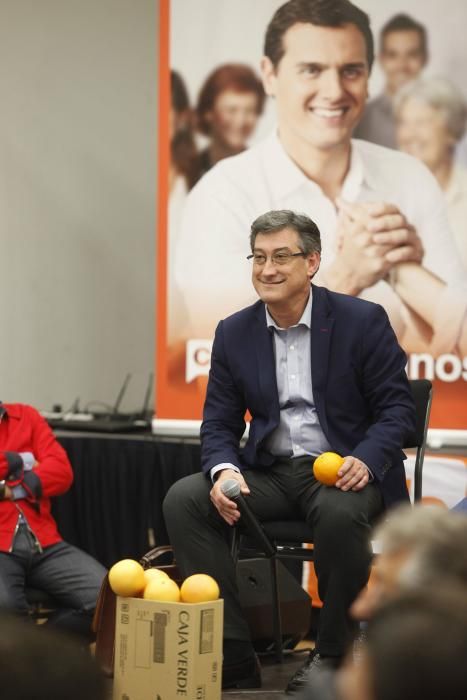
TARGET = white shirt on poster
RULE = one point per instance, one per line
(210, 265)
(456, 198)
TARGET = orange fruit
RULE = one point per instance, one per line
(326, 467)
(126, 578)
(199, 588)
(152, 574)
(163, 589)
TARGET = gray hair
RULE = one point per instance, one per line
(435, 540)
(276, 220)
(442, 95)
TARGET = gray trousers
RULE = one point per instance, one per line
(71, 576)
(341, 525)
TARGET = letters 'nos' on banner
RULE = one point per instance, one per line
(182, 365)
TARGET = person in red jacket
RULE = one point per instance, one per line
(33, 469)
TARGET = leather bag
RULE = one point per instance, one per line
(103, 624)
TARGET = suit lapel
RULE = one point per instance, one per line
(322, 323)
(265, 363)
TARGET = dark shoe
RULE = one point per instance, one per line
(244, 674)
(314, 665)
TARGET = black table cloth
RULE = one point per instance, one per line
(114, 508)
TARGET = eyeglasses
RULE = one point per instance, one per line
(259, 259)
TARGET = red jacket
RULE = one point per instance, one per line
(22, 429)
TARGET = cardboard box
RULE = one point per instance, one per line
(168, 651)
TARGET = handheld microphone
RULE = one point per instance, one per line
(231, 489)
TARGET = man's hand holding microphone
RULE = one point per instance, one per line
(233, 506)
(228, 508)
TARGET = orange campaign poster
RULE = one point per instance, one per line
(222, 163)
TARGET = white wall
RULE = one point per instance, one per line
(77, 198)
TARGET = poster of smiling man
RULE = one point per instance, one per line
(360, 127)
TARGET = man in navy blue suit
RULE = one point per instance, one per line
(317, 371)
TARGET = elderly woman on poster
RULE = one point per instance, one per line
(431, 120)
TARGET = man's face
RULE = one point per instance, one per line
(320, 85)
(281, 285)
(402, 58)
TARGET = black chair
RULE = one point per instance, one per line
(284, 539)
(41, 604)
(422, 392)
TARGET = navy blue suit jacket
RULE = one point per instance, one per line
(360, 388)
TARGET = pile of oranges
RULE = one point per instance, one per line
(128, 578)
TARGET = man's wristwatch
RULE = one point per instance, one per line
(2, 489)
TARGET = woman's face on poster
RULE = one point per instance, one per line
(233, 118)
(422, 132)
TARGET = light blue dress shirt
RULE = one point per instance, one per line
(299, 431)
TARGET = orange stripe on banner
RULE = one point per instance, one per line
(162, 193)
(449, 408)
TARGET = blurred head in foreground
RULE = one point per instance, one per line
(416, 648)
(418, 546)
(39, 664)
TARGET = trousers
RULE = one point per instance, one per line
(341, 524)
(72, 577)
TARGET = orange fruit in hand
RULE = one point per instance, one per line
(199, 588)
(126, 578)
(326, 466)
(152, 574)
(162, 588)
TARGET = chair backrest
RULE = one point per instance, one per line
(422, 392)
